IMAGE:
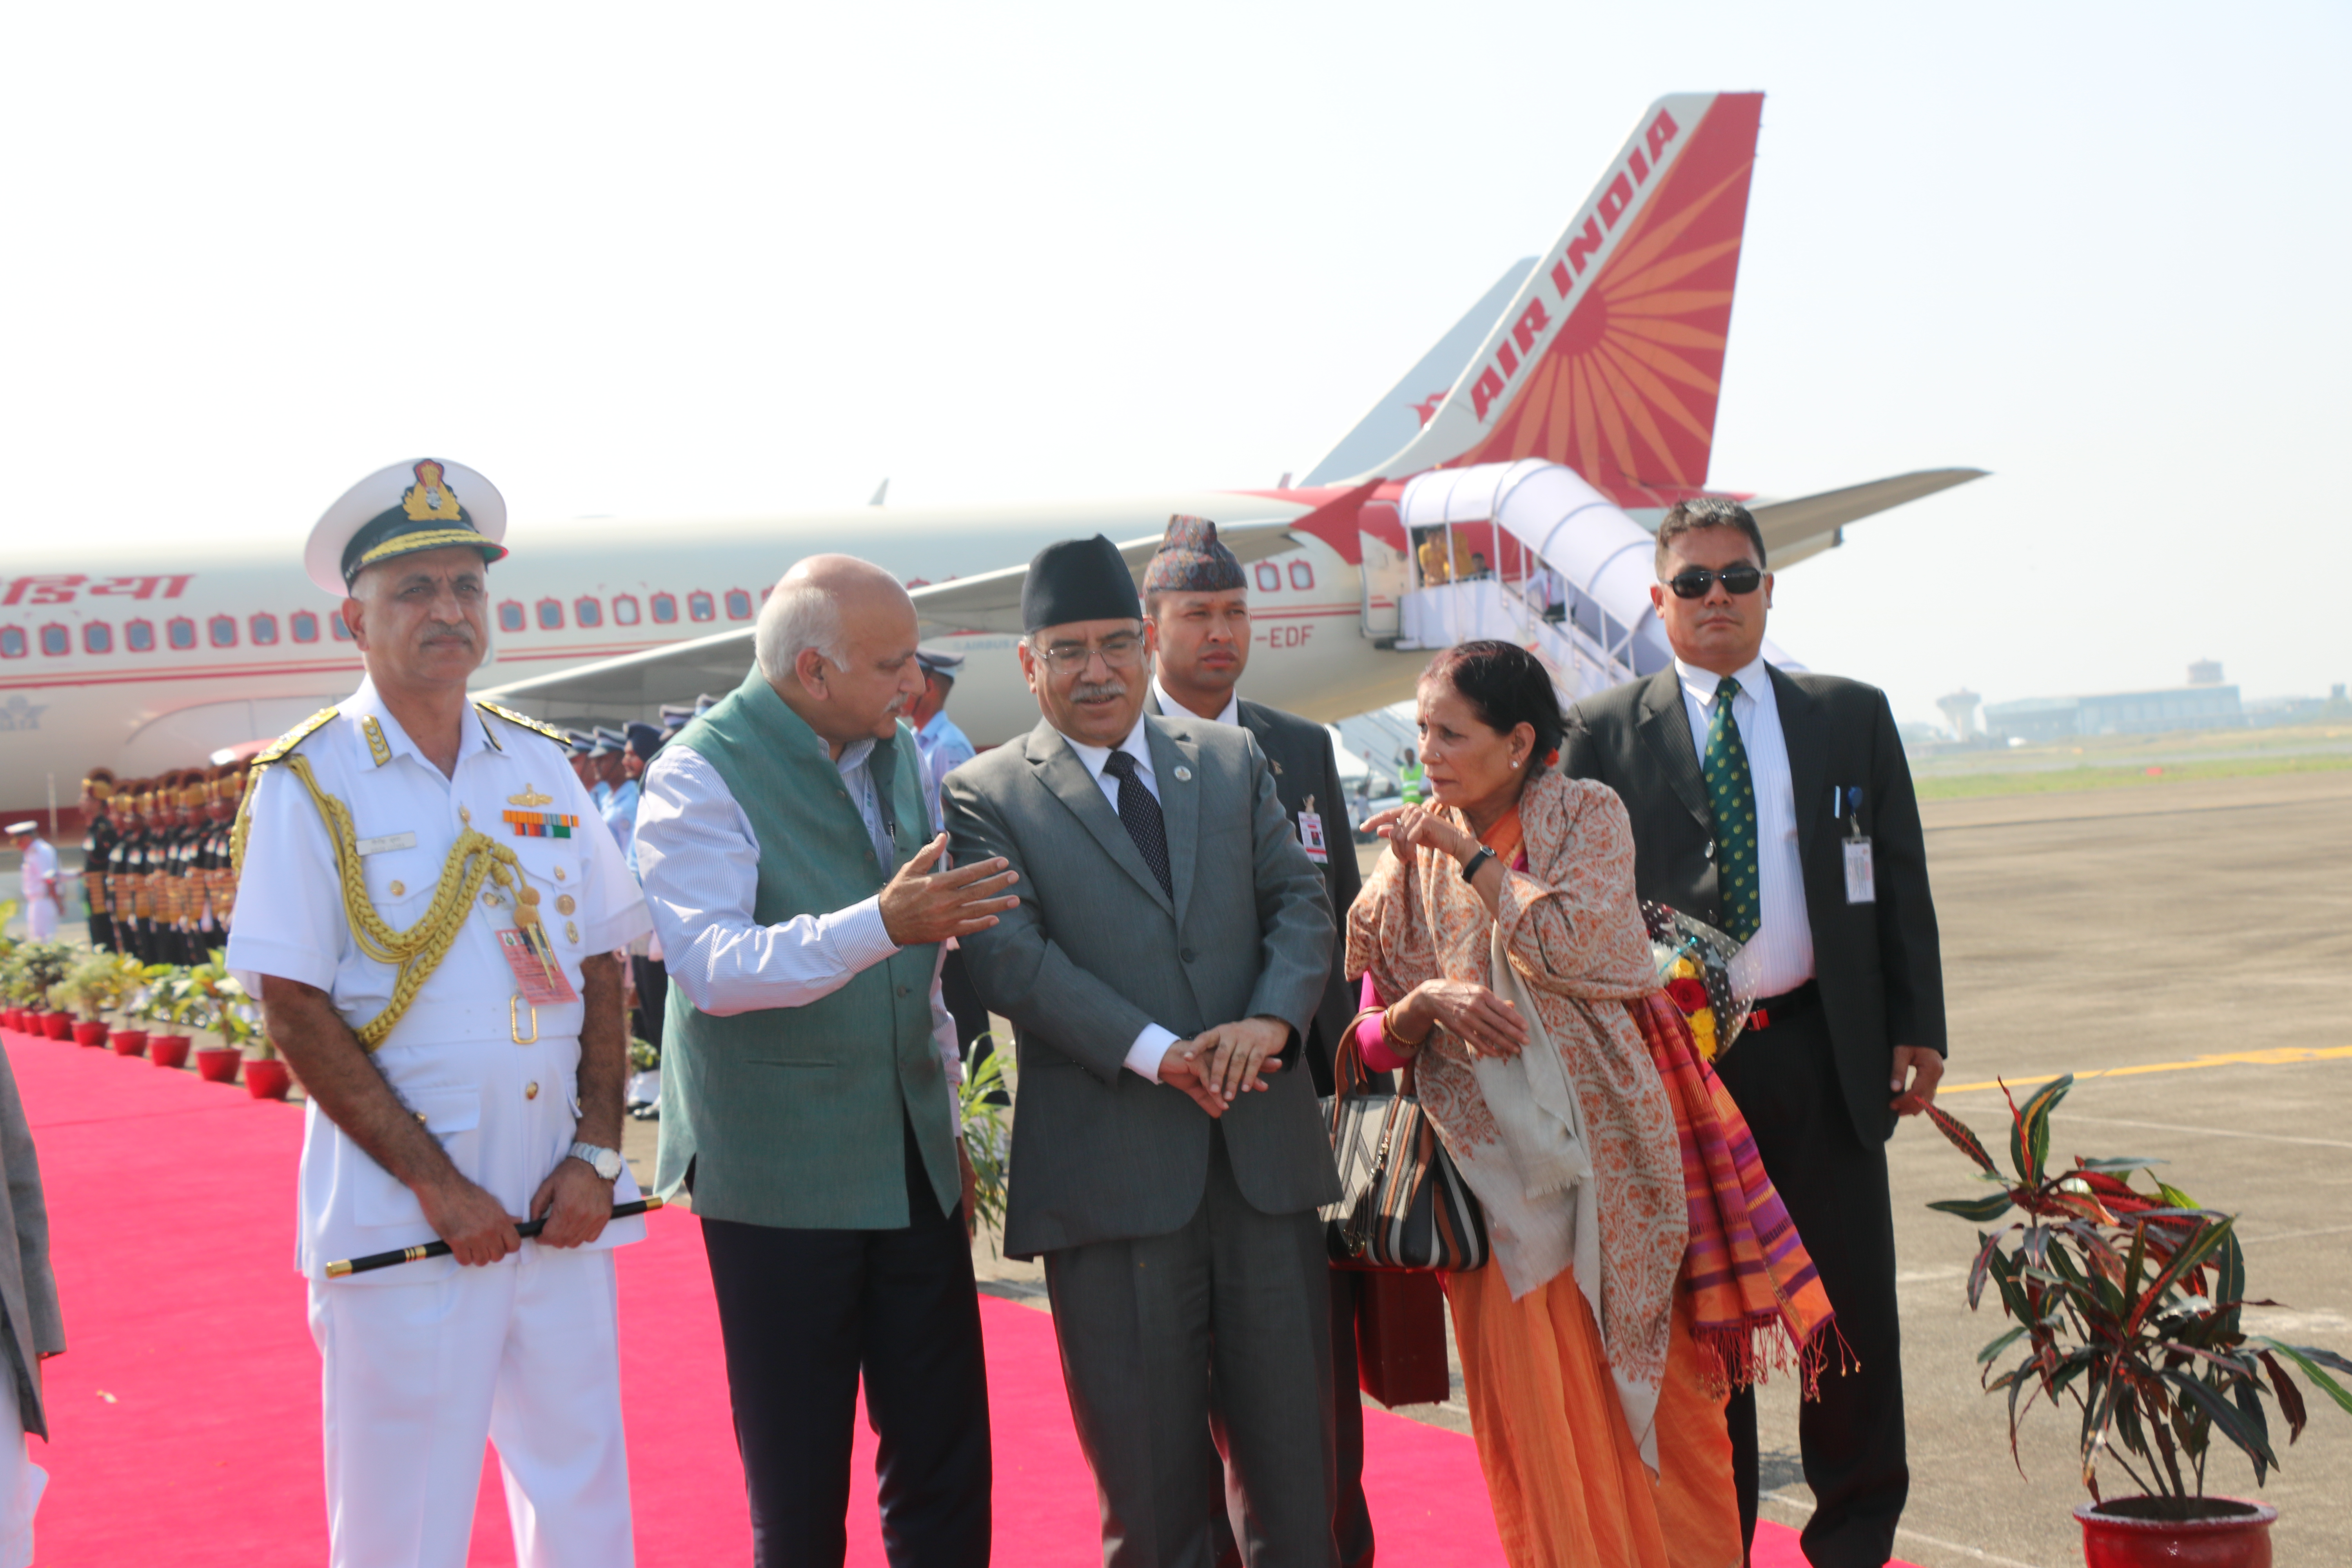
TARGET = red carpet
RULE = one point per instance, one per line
(185, 1417)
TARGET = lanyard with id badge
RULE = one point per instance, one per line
(1861, 878)
(1310, 834)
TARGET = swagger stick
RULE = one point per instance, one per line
(375, 1260)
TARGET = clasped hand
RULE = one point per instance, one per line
(921, 906)
(1481, 1020)
(1218, 1066)
(575, 1202)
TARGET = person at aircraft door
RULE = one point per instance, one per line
(1161, 969)
(1777, 806)
(1196, 604)
(409, 827)
(809, 1072)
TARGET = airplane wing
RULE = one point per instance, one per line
(1795, 529)
(990, 601)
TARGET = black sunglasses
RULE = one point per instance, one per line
(1694, 582)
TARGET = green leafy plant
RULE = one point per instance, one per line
(987, 1142)
(33, 969)
(99, 985)
(2130, 1304)
(643, 1056)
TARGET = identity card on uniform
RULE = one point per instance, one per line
(1861, 879)
(544, 984)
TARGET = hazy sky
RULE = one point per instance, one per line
(703, 258)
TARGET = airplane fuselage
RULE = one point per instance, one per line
(156, 665)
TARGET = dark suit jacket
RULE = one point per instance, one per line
(1878, 966)
(1096, 949)
(1306, 768)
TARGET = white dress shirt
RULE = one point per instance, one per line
(1175, 709)
(699, 860)
(1150, 1046)
(1781, 950)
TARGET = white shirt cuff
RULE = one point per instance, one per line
(859, 938)
(1149, 1049)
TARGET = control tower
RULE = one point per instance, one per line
(1960, 707)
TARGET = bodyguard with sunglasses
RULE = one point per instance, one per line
(1777, 804)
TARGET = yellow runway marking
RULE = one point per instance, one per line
(2282, 1056)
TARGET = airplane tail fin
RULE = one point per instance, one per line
(1609, 356)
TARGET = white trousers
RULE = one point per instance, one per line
(524, 1353)
(40, 918)
(21, 1480)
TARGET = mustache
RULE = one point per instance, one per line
(1098, 691)
(457, 629)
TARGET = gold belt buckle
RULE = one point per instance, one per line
(514, 1021)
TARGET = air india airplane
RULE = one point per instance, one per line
(1502, 487)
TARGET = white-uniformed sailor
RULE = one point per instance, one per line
(428, 907)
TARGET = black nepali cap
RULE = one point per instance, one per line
(1078, 580)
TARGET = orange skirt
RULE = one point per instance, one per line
(1568, 1483)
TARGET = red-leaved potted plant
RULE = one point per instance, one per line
(2129, 1303)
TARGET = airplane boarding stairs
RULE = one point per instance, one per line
(1529, 552)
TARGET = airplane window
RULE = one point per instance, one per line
(180, 632)
(664, 608)
(699, 605)
(55, 641)
(1269, 578)
(223, 631)
(738, 604)
(551, 615)
(139, 637)
(589, 612)
(264, 629)
(335, 625)
(97, 636)
(1302, 575)
(511, 616)
(624, 610)
(12, 642)
(304, 625)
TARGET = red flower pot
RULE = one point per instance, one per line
(9, 1020)
(59, 1026)
(168, 1050)
(90, 1033)
(216, 1063)
(267, 1078)
(2132, 1532)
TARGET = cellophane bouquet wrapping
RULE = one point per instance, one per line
(1703, 970)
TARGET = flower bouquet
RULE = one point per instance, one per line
(1700, 971)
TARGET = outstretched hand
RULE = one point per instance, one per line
(920, 905)
(1409, 827)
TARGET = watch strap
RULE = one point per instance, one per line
(1477, 863)
(596, 1157)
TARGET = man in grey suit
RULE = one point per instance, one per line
(1171, 945)
(1196, 600)
(1779, 806)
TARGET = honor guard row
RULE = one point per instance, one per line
(155, 861)
(430, 917)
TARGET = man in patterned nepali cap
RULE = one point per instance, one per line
(1196, 602)
(1778, 807)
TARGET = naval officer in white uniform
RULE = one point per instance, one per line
(428, 907)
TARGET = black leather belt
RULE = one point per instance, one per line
(1771, 1009)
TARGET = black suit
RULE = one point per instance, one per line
(1306, 768)
(1813, 1086)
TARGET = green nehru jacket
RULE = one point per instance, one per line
(793, 1117)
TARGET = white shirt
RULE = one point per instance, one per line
(699, 860)
(503, 1104)
(1781, 950)
(37, 874)
(1175, 709)
(1150, 1046)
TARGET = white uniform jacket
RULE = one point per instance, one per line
(505, 1112)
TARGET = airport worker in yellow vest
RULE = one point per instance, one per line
(428, 909)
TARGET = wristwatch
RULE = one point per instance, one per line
(605, 1162)
(1477, 863)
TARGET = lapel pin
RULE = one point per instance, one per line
(1183, 773)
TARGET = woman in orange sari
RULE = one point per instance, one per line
(1503, 953)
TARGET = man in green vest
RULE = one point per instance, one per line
(1409, 777)
(809, 1070)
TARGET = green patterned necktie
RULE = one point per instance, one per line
(1731, 794)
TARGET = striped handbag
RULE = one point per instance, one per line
(1403, 1205)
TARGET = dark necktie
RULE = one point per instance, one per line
(1732, 793)
(1140, 813)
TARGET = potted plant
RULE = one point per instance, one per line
(43, 965)
(175, 999)
(2129, 1303)
(90, 988)
(987, 1142)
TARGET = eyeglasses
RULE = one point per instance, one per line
(1122, 650)
(1693, 582)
